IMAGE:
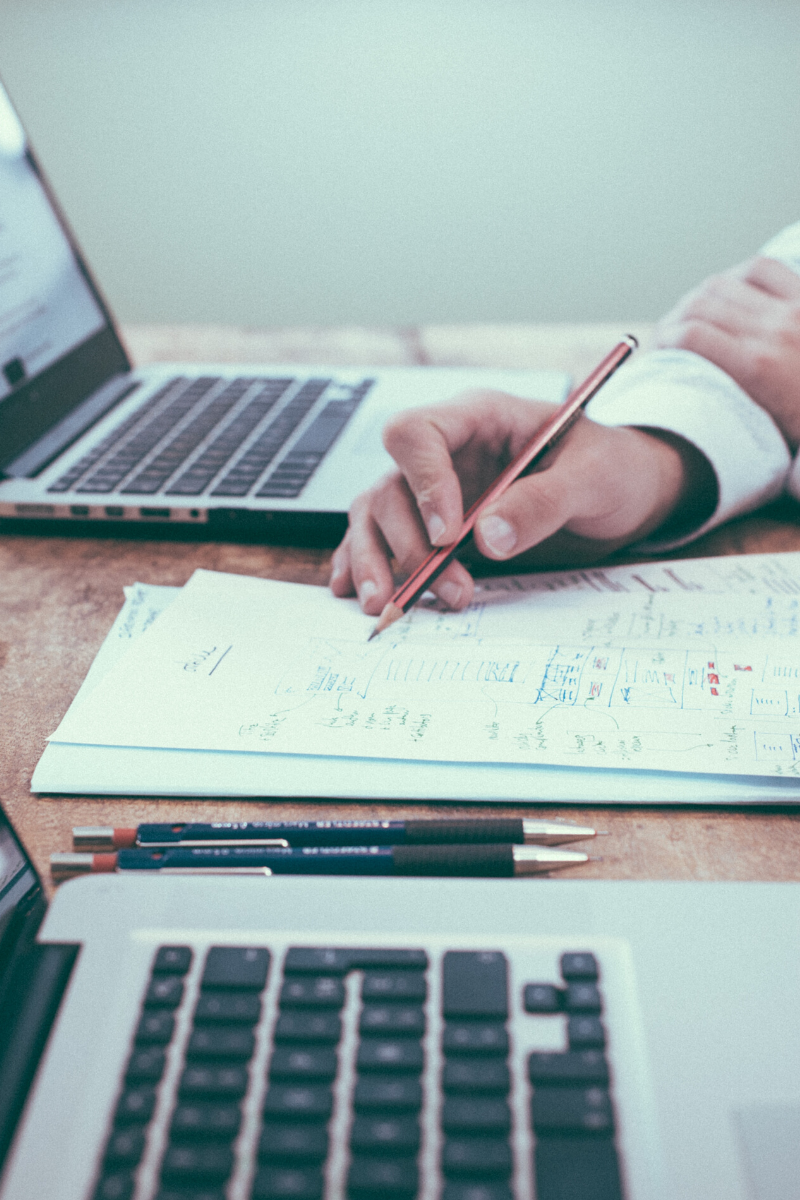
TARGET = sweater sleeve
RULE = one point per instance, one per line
(785, 247)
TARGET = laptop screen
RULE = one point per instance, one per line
(57, 344)
(16, 874)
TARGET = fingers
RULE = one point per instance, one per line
(423, 452)
(773, 277)
(385, 525)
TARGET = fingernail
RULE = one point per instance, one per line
(337, 572)
(450, 592)
(499, 536)
(367, 590)
(435, 526)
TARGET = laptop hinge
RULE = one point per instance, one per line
(50, 445)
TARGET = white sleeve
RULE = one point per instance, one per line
(684, 394)
(785, 246)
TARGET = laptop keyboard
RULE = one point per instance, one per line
(185, 439)
(371, 1073)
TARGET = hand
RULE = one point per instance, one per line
(601, 488)
(747, 321)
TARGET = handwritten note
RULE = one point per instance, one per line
(643, 678)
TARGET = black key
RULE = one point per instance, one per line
(395, 1054)
(323, 1028)
(576, 1169)
(305, 1102)
(164, 991)
(572, 1110)
(395, 1020)
(146, 1065)
(172, 960)
(193, 1193)
(205, 1120)
(577, 967)
(242, 1007)
(477, 1157)
(221, 1041)
(574, 1066)
(125, 1146)
(582, 998)
(206, 1163)
(396, 960)
(394, 985)
(470, 1190)
(227, 1081)
(585, 1033)
(156, 1027)
(302, 1062)
(384, 1135)
(284, 1143)
(236, 967)
(475, 1038)
(382, 1177)
(321, 991)
(287, 1183)
(475, 984)
(115, 1185)
(313, 960)
(476, 1075)
(541, 998)
(475, 1114)
(136, 1104)
(387, 1094)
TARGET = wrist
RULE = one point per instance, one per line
(686, 488)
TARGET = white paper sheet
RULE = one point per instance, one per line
(649, 680)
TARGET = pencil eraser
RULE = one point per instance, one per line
(124, 839)
(103, 863)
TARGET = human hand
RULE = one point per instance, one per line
(600, 489)
(747, 322)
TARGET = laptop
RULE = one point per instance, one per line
(299, 1038)
(278, 449)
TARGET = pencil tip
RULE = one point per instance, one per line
(390, 614)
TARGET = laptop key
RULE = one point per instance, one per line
(317, 960)
(324, 1028)
(585, 1033)
(570, 1067)
(475, 1038)
(394, 985)
(385, 1135)
(310, 1102)
(192, 1193)
(382, 1178)
(136, 1104)
(205, 1120)
(243, 967)
(541, 998)
(475, 1114)
(576, 1169)
(476, 1075)
(211, 1041)
(324, 991)
(291, 1062)
(393, 1019)
(582, 998)
(125, 1146)
(206, 1163)
(156, 1026)
(389, 1093)
(477, 1157)
(228, 1081)
(116, 1185)
(395, 1054)
(214, 1007)
(289, 1143)
(164, 991)
(472, 1190)
(146, 1065)
(172, 960)
(475, 984)
(287, 1183)
(572, 1110)
(583, 966)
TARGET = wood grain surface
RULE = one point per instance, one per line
(59, 597)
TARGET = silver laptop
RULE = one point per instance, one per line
(84, 437)
(308, 1038)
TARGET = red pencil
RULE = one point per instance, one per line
(532, 452)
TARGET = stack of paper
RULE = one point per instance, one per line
(675, 681)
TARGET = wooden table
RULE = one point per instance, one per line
(59, 596)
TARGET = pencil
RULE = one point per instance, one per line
(531, 453)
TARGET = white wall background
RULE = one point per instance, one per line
(278, 162)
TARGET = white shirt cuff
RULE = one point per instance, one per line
(785, 246)
(684, 394)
